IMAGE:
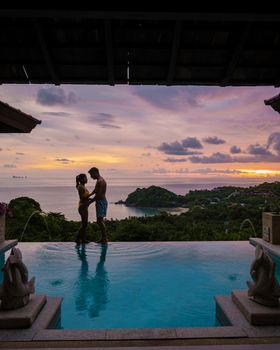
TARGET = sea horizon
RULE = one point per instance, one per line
(46, 181)
(55, 197)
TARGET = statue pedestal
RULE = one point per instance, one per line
(255, 313)
(24, 316)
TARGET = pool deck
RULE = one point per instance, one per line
(190, 338)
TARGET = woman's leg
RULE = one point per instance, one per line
(81, 237)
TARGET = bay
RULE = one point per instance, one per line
(64, 199)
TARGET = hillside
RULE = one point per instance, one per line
(218, 214)
(155, 197)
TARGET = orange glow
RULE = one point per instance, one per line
(259, 172)
(75, 162)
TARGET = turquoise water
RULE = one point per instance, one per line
(138, 284)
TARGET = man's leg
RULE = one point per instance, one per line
(102, 226)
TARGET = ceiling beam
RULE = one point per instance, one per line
(174, 53)
(236, 54)
(45, 52)
(142, 15)
(109, 51)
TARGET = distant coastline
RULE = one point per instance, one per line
(210, 215)
(49, 195)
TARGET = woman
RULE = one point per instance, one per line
(84, 202)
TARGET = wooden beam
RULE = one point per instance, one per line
(109, 51)
(236, 55)
(45, 52)
(144, 15)
(175, 50)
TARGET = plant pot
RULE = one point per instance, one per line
(271, 227)
(2, 228)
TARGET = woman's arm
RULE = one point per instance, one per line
(83, 193)
(92, 193)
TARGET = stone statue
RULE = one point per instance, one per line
(265, 288)
(15, 289)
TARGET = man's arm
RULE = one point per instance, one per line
(97, 191)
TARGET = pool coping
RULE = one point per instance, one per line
(56, 338)
(274, 249)
(123, 335)
(238, 330)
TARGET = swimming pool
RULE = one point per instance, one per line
(138, 284)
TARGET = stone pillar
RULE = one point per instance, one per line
(2, 228)
(271, 227)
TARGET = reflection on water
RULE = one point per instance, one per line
(92, 291)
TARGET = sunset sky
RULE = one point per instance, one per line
(185, 132)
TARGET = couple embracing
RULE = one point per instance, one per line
(100, 200)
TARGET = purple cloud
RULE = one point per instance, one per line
(167, 97)
(64, 160)
(226, 158)
(258, 150)
(176, 160)
(9, 166)
(175, 148)
(191, 142)
(274, 141)
(109, 126)
(57, 114)
(104, 120)
(214, 140)
(55, 96)
(235, 150)
(215, 158)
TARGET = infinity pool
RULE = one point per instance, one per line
(138, 285)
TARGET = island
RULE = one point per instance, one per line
(154, 197)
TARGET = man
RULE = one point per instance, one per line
(100, 202)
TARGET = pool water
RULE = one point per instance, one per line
(138, 284)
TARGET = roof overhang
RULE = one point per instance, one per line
(15, 121)
(274, 102)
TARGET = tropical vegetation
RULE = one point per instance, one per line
(224, 213)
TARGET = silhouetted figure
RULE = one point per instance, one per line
(100, 202)
(84, 202)
(265, 288)
(93, 291)
(15, 289)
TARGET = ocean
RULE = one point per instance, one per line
(53, 196)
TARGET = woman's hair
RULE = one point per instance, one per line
(79, 179)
